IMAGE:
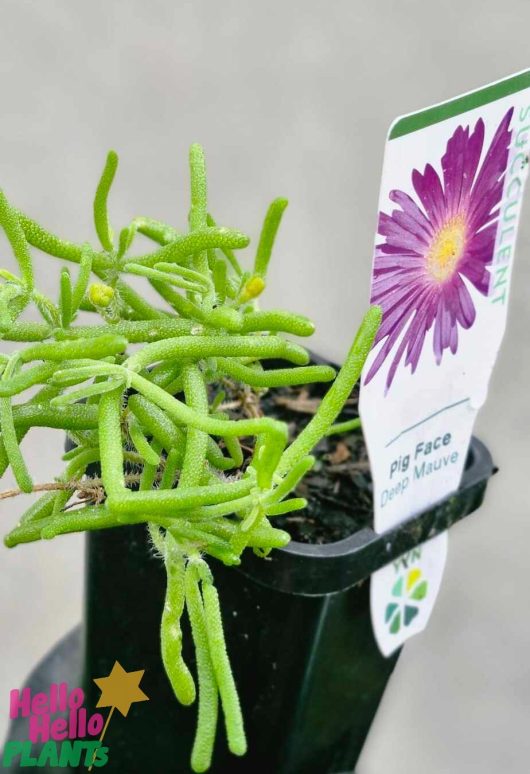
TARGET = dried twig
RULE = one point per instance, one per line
(86, 485)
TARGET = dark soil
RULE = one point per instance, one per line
(339, 486)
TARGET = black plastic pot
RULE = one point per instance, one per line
(300, 640)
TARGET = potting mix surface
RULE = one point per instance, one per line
(339, 486)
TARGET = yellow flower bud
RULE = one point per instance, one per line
(100, 294)
(253, 288)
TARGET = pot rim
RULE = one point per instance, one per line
(326, 568)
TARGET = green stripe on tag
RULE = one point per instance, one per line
(454, 107)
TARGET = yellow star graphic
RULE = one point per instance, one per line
(120, 689)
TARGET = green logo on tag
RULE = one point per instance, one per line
(407, 589)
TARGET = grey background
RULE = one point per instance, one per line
(290, 98)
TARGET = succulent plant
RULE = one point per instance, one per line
(142, 394)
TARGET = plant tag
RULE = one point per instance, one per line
(449, 206)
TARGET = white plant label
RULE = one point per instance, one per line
(449, 207)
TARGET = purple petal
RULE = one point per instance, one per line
(459, 165)
(429, 189)
(465, 311)
(489, 178)
(411, 209)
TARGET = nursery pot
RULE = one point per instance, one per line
(299, 635)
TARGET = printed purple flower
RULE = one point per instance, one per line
(429, 252)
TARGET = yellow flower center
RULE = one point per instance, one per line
(446, 249)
